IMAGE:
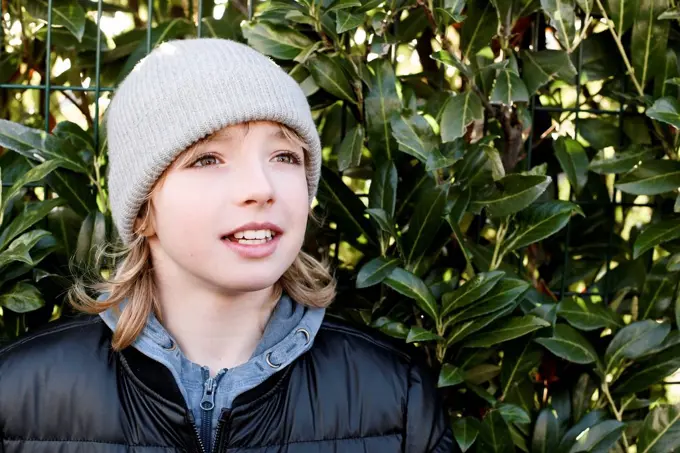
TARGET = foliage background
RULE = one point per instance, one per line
(500, 188)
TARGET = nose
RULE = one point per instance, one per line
(254, 185)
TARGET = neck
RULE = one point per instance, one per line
(213, 328)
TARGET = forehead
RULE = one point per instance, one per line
(240, 131)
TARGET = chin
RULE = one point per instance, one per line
(248, 282)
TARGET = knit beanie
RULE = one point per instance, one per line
(185, 90)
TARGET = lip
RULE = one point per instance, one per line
(254, 250)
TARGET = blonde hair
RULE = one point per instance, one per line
(308, 281)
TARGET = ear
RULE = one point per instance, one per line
(145, 224)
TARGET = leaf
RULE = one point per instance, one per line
(375, 271)
(418, 335)
(538, 222)
(328, 74)
(426, 221)
(649, 372)
(465, 430)
(563, 18)
(599, 438)
(513, 413)
(463, 330)
(503, 295)
(414, 135)
(649, 40)
(343, 4)
(449, 376)
(459, 112)
(37, 173)
(481, 373)
(346, 21)
(507, 330)
(666, 110)
(656, 234)
(573, 160)
(479, 27)
(495, 162)
(383, 191)
(390, 327)
(519, 359)
(581, 395)
(71, 17)
(384, 221)
(586, 315)
(349, 154)
(411, 286)
(22, 298)
(660, 431)
(543, 66)
(622, 162)
(570, 345)
(381, 103)
(584, 424)
(670, 14)
(509, 88)
(345, 206)
(494, 434)
(651, 178)
(622, 13)
(517, 193)
(452, 61)
(275, 41)
(586, 5)
(39, 146)
(19, 249)
(635, 340)
(32, 213)
(471, 291)
(546, 433)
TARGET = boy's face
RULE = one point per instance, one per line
(233, 216)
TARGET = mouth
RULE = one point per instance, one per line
(251, 237)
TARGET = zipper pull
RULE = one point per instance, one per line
(208, 401)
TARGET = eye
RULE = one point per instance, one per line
(288, 158)
(205, 161)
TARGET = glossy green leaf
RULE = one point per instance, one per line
(622, 162)
(635, 340)
(573, 160)
(479, 27)
(520, 358)
(663, 79)
(494, 434)
(383, 191)
(346, 21)
(660, 431)
(517, 192)
(328, 74)
(622, 14)
(501, 296)
(649, 371)
(570, 345)
(20, 248)
(513, 413)
(509, 88)
(32, 213)
(584, 424)
(343, 4)
(465, 431)
(453, 61)
(37, 173)
(599, 438)
(563, 18)
(414, 135)
(384, 221)
(71, 16)
(418, 334)
(666, 110)
(349, 154)
(509, 329)
(413, 287)
(540, 221)
(276, 41)
(449, 376)
(471, 291)
(39, 146)
(649, 40)
(585, 315)
(481, 373)
(670, 14)
(375, 271)
(391, 327)
(459, 112)
(543, 66)
(381, 103)
(426, 221)
(545, 437)
(651, 178)
(581, 395)
(461, 331)
(22, 298)
(656, 234)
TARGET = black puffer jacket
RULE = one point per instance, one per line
(64, 390)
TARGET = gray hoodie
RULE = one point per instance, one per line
(289, 333)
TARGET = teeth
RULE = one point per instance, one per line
(254, 234)
(252, 241)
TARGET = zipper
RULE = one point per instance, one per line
(197, 432)
(220, 437)
(207, 406)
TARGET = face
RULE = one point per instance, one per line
(233, 215)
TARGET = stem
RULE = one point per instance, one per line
(497, 256)
(618, 414)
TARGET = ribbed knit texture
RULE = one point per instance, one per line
(185, 90)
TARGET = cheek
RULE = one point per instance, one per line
(181, 208)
